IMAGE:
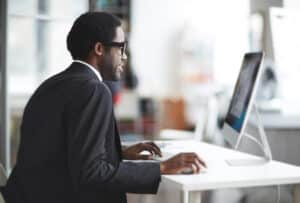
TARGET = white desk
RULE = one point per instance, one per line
(219, 174)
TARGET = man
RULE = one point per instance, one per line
(70, 149)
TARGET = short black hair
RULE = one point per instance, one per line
(88, 29)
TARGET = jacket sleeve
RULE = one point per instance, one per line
(90, 122)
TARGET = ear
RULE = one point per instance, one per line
(98, 48)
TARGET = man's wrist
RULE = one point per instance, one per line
(124, 154)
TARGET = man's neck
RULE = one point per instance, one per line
(91, 66)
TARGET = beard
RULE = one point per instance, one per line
(109, 69)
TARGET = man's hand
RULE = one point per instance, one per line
(133, 152)
(181, 162)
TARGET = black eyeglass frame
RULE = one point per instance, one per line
(122, 45)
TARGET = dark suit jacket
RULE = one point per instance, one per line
(70, 149)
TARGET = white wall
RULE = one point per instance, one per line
(262, 6)
(156, 27)
(155, 24)
(294, 4)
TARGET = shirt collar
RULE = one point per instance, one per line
(90, 67)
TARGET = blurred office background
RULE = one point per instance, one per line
(183, 60)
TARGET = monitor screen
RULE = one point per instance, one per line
(243, 91)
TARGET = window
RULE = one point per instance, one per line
(37, 31)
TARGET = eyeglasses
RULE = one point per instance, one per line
(121, 45)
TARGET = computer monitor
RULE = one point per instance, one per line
(243, 100)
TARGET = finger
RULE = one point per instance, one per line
(192, 156)
(195, 168)
(155, 148)
(147, 148)
(192, 160)
(195, 164)
(187, 168)
(201, 161)
(151, 149)
(154, 145)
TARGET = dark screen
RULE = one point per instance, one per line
(243, 90)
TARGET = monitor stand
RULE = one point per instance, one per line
(264, 145)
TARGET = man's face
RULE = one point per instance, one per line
(113, 60)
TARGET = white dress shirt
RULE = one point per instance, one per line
(90, 67)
